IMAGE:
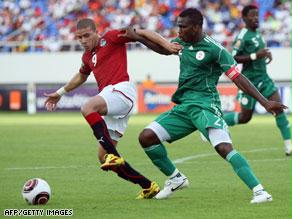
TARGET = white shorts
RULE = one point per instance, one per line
(120, 100)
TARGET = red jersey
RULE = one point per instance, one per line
(108, 60)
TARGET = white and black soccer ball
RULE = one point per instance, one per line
(36, 191)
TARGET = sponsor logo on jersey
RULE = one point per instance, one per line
(102, 42)
(200, 55)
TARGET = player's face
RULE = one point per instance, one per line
(186, 31)
(252, 19)
(87, 37)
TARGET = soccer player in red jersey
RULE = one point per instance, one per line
(108, 112)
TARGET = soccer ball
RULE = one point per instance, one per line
(36, 191)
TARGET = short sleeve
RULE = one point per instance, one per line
(228, 64)
(85, 68)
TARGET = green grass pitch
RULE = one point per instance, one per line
(60, 148)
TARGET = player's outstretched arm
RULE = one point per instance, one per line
(53, 98)
(154, 42)
(173, 48)
(247, 87)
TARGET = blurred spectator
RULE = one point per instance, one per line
(49, 25)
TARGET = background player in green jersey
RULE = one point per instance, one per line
(249, 49)
(202, 61)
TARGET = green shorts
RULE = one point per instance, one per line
(265, 86)
(183, 119)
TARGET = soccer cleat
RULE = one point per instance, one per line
(288, 150)
(172, 185)
(150, 192)
(111, 161)
(260, 197)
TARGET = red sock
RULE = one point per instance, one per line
(101, 133)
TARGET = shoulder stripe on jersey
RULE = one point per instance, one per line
(209, 39)
(242, 33)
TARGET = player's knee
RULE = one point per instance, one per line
(85, 110)
(147, 138)
(223, 149)
(90, 107)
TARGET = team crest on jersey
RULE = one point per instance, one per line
(102, 42)
(244, 101)
(200, 55)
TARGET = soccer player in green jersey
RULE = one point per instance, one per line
(202, 61)
(249, 49)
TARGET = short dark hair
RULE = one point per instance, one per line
(194, 15)
(86, 22)
(246, 9)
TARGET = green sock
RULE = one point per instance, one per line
(242, 169)
(283, 125)
(158, 155)
(231, 118)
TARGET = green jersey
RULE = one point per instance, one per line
(201, 65)
(248, 42)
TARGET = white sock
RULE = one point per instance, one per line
(175, 172)
(257, 188)
(287, 143)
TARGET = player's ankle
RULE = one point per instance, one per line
(257, 188)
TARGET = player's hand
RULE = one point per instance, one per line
(274, 107)
(51, 101)
(129, 32)
(269, 58)
(265, 53)
(174, 48)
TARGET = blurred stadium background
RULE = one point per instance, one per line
(38, 51)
